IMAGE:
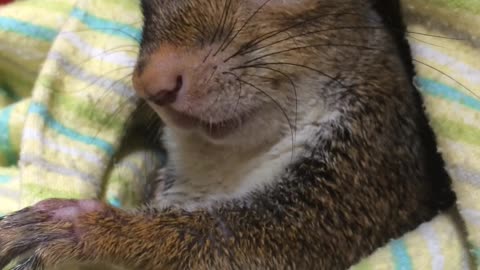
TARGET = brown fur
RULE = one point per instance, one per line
(363, 178)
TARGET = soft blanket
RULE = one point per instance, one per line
(66, 99)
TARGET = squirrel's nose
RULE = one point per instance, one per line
(161, 78)
(165, 91)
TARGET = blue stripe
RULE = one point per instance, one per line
(27, 29)
(6, 148)
(106, 26)
(443, 91)
(401, 258)
(476, 252)
(5, 179)
(115, 202)
(42, 111)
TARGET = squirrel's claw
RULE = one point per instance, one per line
(50, 229)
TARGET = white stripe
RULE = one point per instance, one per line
(110, 56)
(31, 134)
(469, 73)
(465, 175)
(466, 260)
(28, 160)
(148, 166)
(10, 194)
(471, 216)
(430, 236)
(117, 86)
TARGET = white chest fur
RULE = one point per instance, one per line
(206, 173)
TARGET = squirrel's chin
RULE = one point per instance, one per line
(211, 130)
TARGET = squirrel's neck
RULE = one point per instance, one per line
(205, 170)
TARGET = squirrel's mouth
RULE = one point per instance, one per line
(214, 129)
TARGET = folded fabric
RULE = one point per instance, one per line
(66, 101)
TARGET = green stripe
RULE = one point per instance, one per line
(40, 191)
(456, 131)
(8, 92)
(363, 265)
(476, 252)
(6, 148)
(69, 131)
(63, 7)
(128, 5)
(11, 73)
(470, 6)
(89, 112)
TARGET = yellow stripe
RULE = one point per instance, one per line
(460, 154)
(40, 184)
(458, 49)
(446, 75)
(115, 7)
(417, 247)
(51, 17)
(457, 20)
(456, 131)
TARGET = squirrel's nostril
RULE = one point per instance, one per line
(167, 96)
(179, 83)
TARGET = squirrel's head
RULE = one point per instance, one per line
(233, 70)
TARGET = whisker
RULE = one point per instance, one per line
(119, 109)
(229, 34)
(109, 52)
(239, 96)
(294, 91)
(108, 91)
(220, 23)
(208, 55)
(434, 36)
(425, 42)
(337, 29)
(274, 33)
(137, 39)
(245, 24)
(448, 76)
(223, 27)
(277, 104)
(312, 46)
(89, 84)
(310, 33)
(292, 64)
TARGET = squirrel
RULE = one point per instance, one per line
(295, 138)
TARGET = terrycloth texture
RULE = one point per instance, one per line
(449, 78)
(65, 98)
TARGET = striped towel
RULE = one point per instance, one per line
(448, 72)
(66, 98)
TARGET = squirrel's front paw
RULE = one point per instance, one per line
(51, 232)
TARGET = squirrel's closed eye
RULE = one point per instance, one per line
(283, 2)
(291, 6)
